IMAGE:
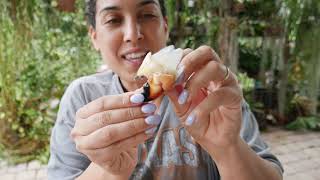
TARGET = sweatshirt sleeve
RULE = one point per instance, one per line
(65, 162)
(251, 135)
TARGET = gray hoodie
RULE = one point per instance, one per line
(171, 154)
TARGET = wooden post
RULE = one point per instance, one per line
(228, 36)
(282, 95)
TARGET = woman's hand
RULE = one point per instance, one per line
(109, 129)
(210, 103)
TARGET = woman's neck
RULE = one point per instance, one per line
(130, 86)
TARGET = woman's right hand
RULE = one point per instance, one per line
(109, 129)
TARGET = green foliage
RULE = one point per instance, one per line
(305, 123)
(41, 51)
(184, 17)
(304, 28)
(300, 105)
(250, 54)
(246, 83)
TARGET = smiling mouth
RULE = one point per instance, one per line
(135, 56)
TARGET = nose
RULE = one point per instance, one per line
(132, 32)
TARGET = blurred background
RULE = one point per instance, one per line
(273, 46)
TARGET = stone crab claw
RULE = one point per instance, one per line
(160, 70)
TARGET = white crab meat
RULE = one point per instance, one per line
(164, 62)
(161, 71)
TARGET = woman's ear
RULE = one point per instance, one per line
(93, 37)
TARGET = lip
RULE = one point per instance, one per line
(133, 50)
(134, 63)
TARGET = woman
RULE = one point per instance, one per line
(202, 129)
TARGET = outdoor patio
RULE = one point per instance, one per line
(298, 151)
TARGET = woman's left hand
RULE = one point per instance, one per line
(209, 102)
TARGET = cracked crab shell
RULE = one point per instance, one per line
(164, 62)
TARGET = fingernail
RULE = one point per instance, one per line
(137, 98)
(190, 119)
(180, 75)
(148, 108)
(183, 97)
(151, 131)
(153, 120)
(180, 67)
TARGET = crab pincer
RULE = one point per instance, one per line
(161, 71)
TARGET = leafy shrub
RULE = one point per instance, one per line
(40, 53)
(305, 123)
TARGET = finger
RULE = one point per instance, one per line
(104, 155)
(110, 134)
(173, 96)
(225, 97)
(174, 93)
(193, 61)
(214, 72)
(181, 109)
(228, 97)
(102, 119)
(180, 71)
(110, 102)
(186, 52)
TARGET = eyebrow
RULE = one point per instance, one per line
(109, 8)
(146, 2)
(142, 3)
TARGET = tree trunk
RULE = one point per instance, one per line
(282, 96)
(228, 36)
(13, 10)
(313, 68)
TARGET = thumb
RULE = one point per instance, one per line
(173, 95)
(185, 107)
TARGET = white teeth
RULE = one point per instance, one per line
(135, 55)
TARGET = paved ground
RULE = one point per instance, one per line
(298, 151)
(27, 171)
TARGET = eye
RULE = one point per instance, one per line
(113, 21)
(148, 16)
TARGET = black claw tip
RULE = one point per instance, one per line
(146, 92)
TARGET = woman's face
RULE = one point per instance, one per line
(125, 31)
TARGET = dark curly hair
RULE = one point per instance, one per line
(91, 11)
